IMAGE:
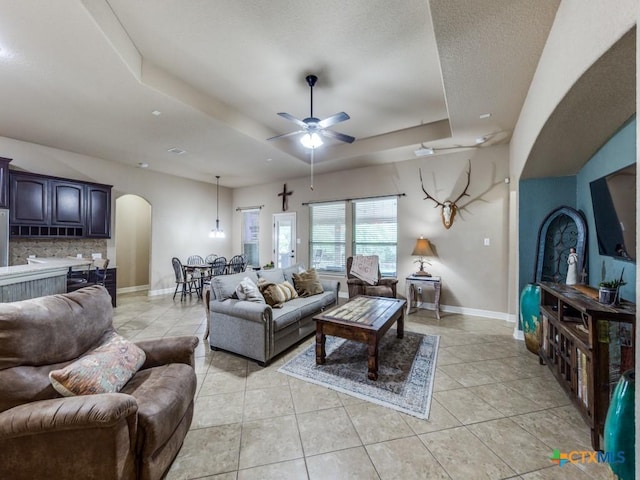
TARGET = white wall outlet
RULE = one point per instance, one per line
(487, 242)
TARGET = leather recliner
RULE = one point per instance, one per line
(135, 433)
(384, 287)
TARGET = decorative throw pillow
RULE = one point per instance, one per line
(308, 283)
(247, 290)
(105, 369)
(276, 294)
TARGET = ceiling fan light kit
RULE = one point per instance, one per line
(311, 140)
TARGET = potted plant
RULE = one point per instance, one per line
(608, 291)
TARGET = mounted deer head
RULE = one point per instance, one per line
(449, 208)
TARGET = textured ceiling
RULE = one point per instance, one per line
(85, 75)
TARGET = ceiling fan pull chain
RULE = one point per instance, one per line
(312, 151)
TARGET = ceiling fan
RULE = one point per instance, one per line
(313, 127)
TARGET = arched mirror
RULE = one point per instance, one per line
(562, 229)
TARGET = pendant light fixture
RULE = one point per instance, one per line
(217, 232)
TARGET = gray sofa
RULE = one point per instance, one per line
(256, 330)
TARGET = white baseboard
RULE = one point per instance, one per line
(162, 291)
(136, 288)
(518, 334)
(474, 312)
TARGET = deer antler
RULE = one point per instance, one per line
(464, 194)
(438, 204)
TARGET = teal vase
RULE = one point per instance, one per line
(619, 428)
(530, 316)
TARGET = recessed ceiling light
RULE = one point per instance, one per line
(143, 164)
(485, 115)
(176, 150)
(480, 140)
(157, 113)
(269, 159)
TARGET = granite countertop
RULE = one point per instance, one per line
(41, 268)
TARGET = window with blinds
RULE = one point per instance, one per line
(251, 236)
(375, 231)
(327, 239)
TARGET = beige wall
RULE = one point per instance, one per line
(474, 276)
(133, 242)
(183, 211)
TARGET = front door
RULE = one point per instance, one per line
(284, 239)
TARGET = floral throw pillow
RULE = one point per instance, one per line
(105, 369)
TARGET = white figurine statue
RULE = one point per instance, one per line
(572, 269)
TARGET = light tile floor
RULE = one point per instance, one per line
(495, 413)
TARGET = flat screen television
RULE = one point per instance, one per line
(614, 209)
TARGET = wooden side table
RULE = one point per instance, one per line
(412, 284)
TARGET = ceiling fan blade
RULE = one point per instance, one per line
(286, 135)
(298, 122)
(338, 136)
(333, 119)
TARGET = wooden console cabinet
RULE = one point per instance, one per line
(587, 346)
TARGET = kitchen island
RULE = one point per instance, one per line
(39, 278)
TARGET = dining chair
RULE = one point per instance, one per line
(188, 282)
(219, 266)
(101, 265)
(195, 260)
(202, 274)
(237, 264)
(210, 258)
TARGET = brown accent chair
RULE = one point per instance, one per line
(135, 433)
(385, 287)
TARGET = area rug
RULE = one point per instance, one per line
(406, 368)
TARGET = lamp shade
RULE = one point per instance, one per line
(422, 248)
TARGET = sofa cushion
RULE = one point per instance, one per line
(248, 290)
(53, 329)
(308, 283)
(224, 286)
(163, 394)
(309, 306)
(285, 316)
(275, 275)
(105, 369)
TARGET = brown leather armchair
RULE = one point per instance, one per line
(135, 433)
(385, 287)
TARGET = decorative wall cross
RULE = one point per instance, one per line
(285, 201)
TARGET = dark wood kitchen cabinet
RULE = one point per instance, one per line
(4, 182)
(29, 202)
(42, 206)
(67, 204)
(98, 211)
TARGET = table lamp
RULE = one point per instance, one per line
(422, 249)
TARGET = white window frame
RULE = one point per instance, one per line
(327, 249)
(367, 232)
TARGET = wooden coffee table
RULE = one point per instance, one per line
(363, 319)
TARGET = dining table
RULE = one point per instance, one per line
(202, 270)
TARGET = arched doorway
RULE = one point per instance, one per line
(133, 243)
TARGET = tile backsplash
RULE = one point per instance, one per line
(21, 248)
